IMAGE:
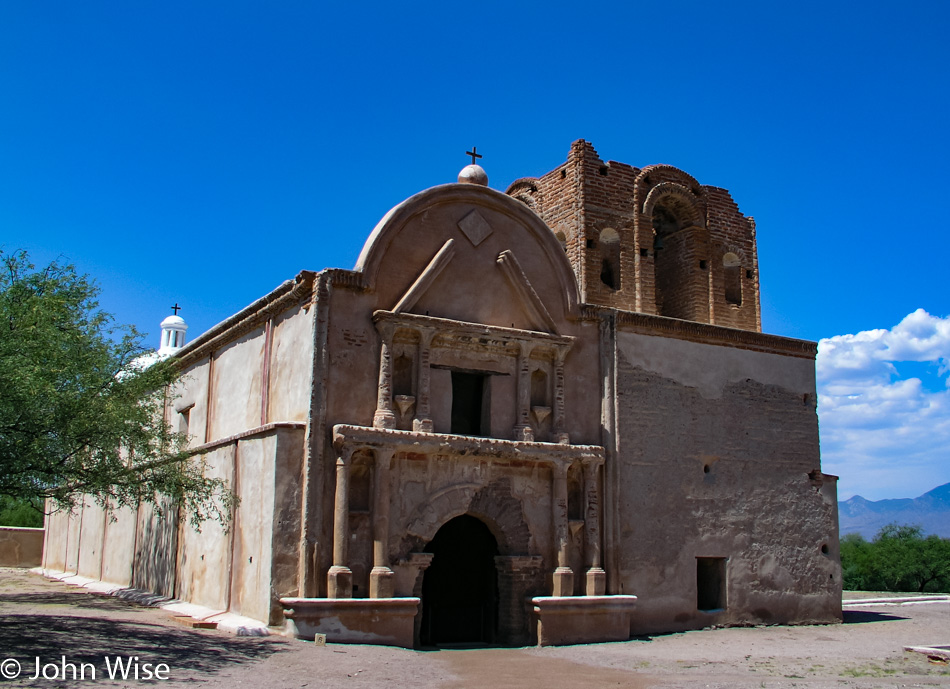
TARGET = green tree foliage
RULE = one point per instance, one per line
(19, 513)
(899, 558)
(81, 412)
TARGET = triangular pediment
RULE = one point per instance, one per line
(495, 293)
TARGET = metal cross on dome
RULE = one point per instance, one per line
(176, 308)
(474, 154)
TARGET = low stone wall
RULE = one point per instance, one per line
(21, 546)
(383, 621)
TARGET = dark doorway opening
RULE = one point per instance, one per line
(460, 587)
(468, 403)
(710, 583)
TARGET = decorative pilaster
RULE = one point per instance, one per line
(340, 578)
(381, 579)
(560, 434)
(523, 430)
(384, 416)
(423, 420)
(596, 583)
(563, 575)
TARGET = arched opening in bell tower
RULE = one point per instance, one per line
(672, 251)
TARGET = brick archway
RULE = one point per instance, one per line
(494, 504)
(520, 575)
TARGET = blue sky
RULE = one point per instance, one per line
(202, 153)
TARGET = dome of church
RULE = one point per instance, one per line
(175, 322)
(473, 174)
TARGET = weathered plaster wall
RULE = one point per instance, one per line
(266, 524)
(291, 363)
(353, 346)
(117, 554)
(20, 546)
(710, 369)
(244, 569)
(236, 386)
(259, 377)
(54, 544)
(154, 566)
(73, 531)
(190, 396)
(717, 445)
(285, 449)
(90, 540)
(204, 558)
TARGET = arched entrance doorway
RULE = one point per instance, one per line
(460, 587)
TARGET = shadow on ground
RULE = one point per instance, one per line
(862, 616)
(89, 639)
(72, 599)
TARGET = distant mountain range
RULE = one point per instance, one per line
(866, 517)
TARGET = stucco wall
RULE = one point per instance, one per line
(118, 554)
(204, 557)
(244, 568)
(717, 449)
(259, 377)
(236, 386)
(54, 545)
(291, 365)
(20, 546)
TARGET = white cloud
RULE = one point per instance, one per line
(884, 435)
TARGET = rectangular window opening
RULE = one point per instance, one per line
(710, 583)
(184, 419)
(469, 403)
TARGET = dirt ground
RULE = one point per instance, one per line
(50, 620)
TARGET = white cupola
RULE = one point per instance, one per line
(173, 333)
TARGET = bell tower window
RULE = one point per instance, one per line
(732, 276)
(610, 258)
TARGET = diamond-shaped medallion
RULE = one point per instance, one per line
(475, 227)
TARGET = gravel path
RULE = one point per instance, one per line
(50, 619)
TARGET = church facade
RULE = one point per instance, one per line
(541, 416)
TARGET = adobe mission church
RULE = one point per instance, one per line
(541, 416)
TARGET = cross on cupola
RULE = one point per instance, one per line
(176, 308)
(475, 155)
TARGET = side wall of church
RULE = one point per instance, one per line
(719, 459)
(243, 569)
(262, 376)
(228, 402)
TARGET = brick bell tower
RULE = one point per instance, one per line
(651, 240)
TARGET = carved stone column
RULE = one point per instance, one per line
(423, 420)
(384, 416)
(381, 581)
(596, 584)
(563, 575)
(523, 430)
(340, 578)
(560, 435)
